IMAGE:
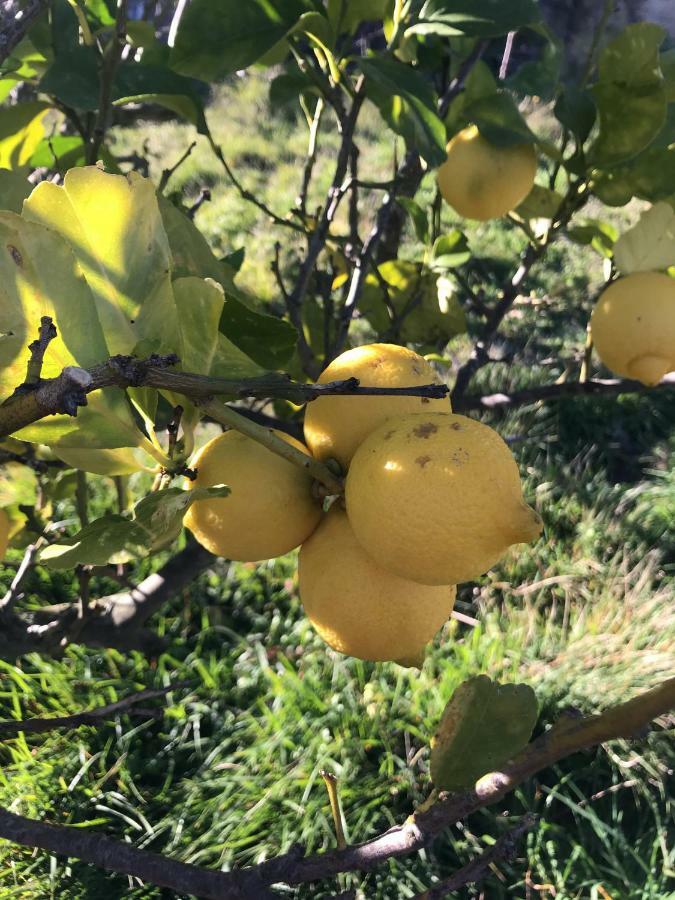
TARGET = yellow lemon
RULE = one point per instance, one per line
(633, 326)
(483, 181)
(359, 608)
(335, 426)
(270, 509)
(437, 498)
(5, 526)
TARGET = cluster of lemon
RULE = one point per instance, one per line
(431, 499)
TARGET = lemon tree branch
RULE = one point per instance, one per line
(569, 735)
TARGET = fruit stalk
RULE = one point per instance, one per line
(225, 415)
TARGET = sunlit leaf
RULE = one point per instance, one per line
(14, 188)
(482, 727)
(407, 104)
(156, 521)
(21, 130)
(650, 244)
(476, 18)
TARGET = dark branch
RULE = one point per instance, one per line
(88, 717)
(38, 348)
(504, 849)
(68, 391)
(17, 19)
(596, 387)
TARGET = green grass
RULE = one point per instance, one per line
(229, 775)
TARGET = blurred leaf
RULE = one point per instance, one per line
(73, 78)
(156, 521)
(650, 176)
(483, 725)
(538, 78)
(50, 283)
(218, 37)
(632, 57)
(476, 18)
(480, 83)
(601, 236)
(630, 94)
(235, 260)
(407, 104)
(18, 485)
(575, 109)
(289, 86)
(650, 244)
(142, 83)
(667, 62)
(425, 314)
(119, 461)
(60, 152)
(113, 224)
(499, 120)
(418, 216)
(345, 18)
(14, 188)
(540, 203)
(21, 130)
(630, 119)
(450, 250)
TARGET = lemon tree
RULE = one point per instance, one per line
(159, 409)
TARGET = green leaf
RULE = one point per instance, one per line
(540, 203)
(630, 94)
(345, 18)
(480, 83)
(289, 86)
(18, 485)
(235, 260)
(538, 78)
(21, 130)
(113, 224)
(218, 37)
(575, 109)
(632, 58)
(156, 521)
(483, 726)
(475, 18)
(61, 152)
(601, 236)
(650, 244)
(499, 120)
(450, 250)
(407, 104)
(418, 217)
(14, 188)
(428, 312)
(73, 78)
(667, 62)
(39, 276)
(142, 83)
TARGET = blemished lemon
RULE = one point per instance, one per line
(482, 181)
(270, 509)
(359, 608)
(336, 425)
(437, 498)
(5, 526)
(633, 326)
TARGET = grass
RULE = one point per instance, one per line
(229, 775)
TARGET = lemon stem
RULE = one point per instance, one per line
(331, 787)
(225, 415)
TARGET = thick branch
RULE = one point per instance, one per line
(118, 856)
(88, 717)
(17, 19)
(594, 387)
(66, 392)
(567, 736)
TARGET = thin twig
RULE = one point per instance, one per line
(38, 348)
(310, 158)
(168, 173)
(88, 717)
(14, 592)
(111, 59)
(597, 387)
(478, 869)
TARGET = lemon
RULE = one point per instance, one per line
(359, 608)
(437, 498)
(336, 425)
(633, 326)
(270, 509)
(5, 526)
(483, 181)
